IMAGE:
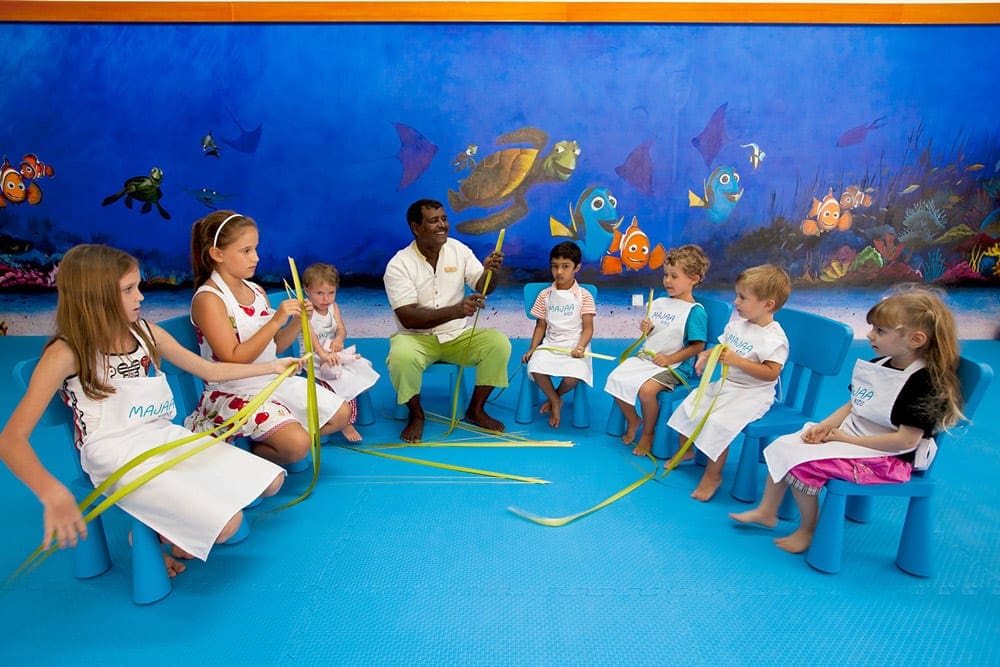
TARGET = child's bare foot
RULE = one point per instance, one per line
(174, 566)
(351, 433)
(177, 552)
(414, 429)
(554, 410)
(546, 408)
(755, 516)
(707, 487)
(795, 543)
(631, 428)
(642, 447)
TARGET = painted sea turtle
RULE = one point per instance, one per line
(506, 175)
(143, 188)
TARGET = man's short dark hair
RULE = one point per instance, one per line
(416, 211)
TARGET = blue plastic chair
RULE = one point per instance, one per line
(188, 388)
(817, 348)
(719, 313)
(402, 412)
(91, 556)
(529, 395)
(914, 554)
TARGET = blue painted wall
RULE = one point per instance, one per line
(913, 109)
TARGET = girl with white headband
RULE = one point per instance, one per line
(235, 322)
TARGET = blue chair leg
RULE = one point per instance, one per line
(402, 412)
(150, 581)
(827, 549)
(525, 408)
(300, 465)
(914, 554)
(859, 509)
(581, 406)
(616, 421)
(366, 410)
(91, 556)
(745, 485)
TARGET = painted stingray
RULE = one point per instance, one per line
(710, 141)
(416, 153)
(247, 142)
(637, 170)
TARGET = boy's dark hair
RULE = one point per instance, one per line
(415, 213)
(567, 250)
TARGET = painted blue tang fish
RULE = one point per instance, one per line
(592, 222)
(722, 193)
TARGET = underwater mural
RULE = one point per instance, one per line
(627, 139)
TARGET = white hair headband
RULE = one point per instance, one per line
(215, 241)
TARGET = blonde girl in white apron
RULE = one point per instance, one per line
(103, 361)
(235, 322)
(565, 319)
(883, 432)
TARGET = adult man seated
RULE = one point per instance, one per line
(425, 283)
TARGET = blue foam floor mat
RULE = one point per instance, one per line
(394, 563)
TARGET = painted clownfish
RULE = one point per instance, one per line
(826, 216)
(15, 190)
(632, 250)
(32, 168)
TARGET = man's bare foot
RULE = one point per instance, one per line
(351, 433)
(642, 447)
(483, 420)
(707, 487)
(795, 543)
(414, 429)
(174, 566)
(631, 427)
(755, 516)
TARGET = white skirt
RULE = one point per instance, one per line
(737, 406)
(190, 503)
(561, 365)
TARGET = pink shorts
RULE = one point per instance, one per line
(810, 477)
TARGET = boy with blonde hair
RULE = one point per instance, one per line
(756, 350)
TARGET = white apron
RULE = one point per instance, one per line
(563, 326)
(875, 387)
(669, 317)
(353, 375)
(741, 398)
(248, 320)
(188, 504)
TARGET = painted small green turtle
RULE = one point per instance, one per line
(142, 188)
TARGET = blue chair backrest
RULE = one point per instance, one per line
(532, 290)
(817, 346)
(719, 313)
(975, 378)
(187, 388)
(56, 412)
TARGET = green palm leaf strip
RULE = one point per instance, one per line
(706, 378)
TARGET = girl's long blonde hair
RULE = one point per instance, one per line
(919, 308)
(89, 313)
